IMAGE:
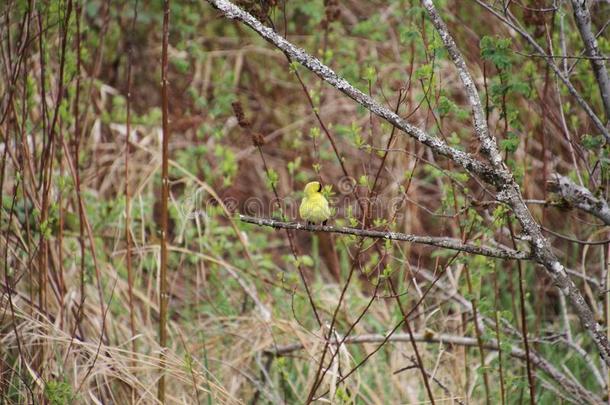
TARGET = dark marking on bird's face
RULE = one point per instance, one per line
(319, 187)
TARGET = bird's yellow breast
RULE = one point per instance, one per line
(314, 208)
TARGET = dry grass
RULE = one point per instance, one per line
(235, 293)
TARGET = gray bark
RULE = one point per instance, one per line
(583, 21)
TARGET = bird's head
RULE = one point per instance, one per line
(313, 187)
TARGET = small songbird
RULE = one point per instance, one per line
(314, 208)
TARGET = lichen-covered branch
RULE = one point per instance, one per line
(510, 194)
(441, 242)
(583, 21)
(580, 197)
(488, 143)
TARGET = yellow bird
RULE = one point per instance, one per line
(314, 208)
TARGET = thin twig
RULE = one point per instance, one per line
(128, 242)
(488, 142)
(528, 364)
(258, 141)
(545, 56)
(433, 378)
(419, 361)
(163, 284)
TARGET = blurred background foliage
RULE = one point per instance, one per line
(225, 275)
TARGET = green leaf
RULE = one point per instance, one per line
(293, 67)
(407, 34)
(370, 74)
(592, 142)
(511, 143)
(424, 72)
(314, 9)
(306, 261)
(181, 65)
(314, 132)
(445, 106)
(58, 392)
(496, 50)
(272, 178)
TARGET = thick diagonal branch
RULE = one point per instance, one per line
(583, 21)
(488, 143)
(441, 242)
(510, 193)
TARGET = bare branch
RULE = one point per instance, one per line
(580, 197)
(488, 142)
(583, 21)
(566, 383)
(562, 57)
(442, 242)
(164, 222)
